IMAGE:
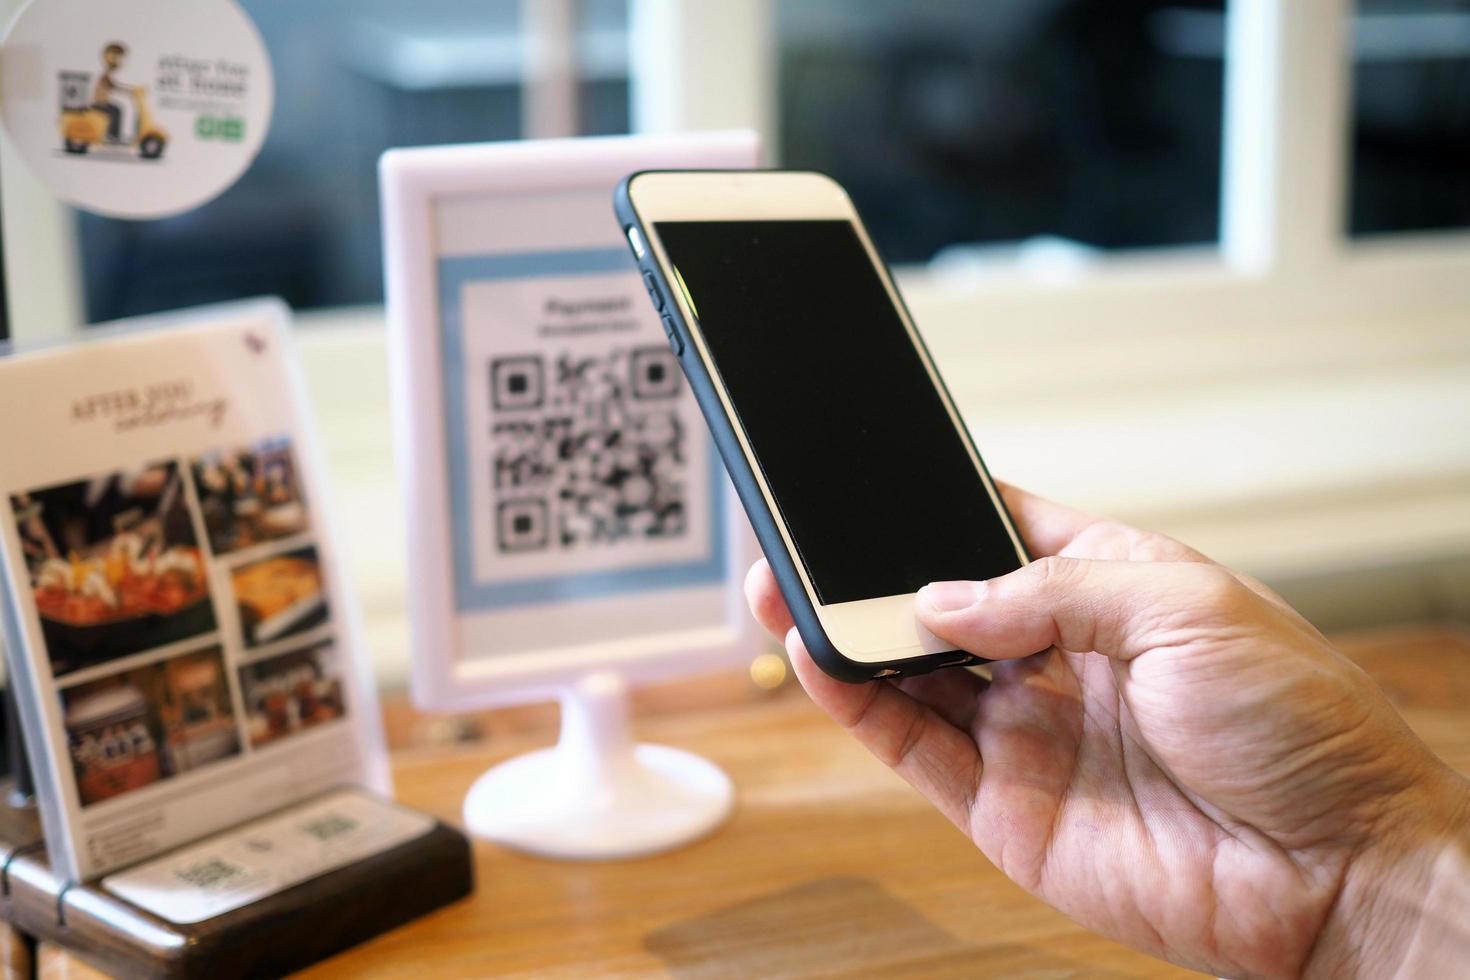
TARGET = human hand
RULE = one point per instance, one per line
(1189, 767)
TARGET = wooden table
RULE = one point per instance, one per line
(831, 865)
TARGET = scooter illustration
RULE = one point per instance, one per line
(86, 123)
(87, 127)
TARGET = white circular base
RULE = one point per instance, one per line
(654, 799)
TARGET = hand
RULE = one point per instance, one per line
(1189, 767)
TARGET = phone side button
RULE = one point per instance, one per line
(672, 332)
(652, 287)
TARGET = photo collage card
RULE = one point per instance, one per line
(177, 611)
(127, 569)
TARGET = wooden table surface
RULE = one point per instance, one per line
(830, 866)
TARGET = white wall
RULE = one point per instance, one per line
(40, 245)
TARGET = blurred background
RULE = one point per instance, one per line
(1204, 266)
(960, 128)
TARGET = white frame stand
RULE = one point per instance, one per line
(597, 794)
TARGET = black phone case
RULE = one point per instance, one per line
(722, 427)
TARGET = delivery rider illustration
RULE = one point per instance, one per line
(108, 87)
(98, 122)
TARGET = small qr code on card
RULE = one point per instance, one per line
(587, 451)
(209, 873)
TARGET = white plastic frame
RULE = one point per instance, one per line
(413, 183)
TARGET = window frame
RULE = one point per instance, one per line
(1283, 252)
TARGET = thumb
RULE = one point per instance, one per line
(1115, 608)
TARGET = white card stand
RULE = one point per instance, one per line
(598, 794)
(453, 217)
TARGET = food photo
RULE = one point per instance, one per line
(280, 596)
(114, 564)
(291, 692)
(249, 495)
(132, 729)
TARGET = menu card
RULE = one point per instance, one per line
(182, 645)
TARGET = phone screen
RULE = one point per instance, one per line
(868, 471)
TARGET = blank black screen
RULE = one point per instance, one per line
(868, 471)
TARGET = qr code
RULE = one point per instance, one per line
(587, 450)
(329, 826)
(209, 873)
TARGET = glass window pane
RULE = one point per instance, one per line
(353, 78)
(955, 122)
(1410, 116)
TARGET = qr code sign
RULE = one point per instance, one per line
(587, 450)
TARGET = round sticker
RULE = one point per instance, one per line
(135, 108)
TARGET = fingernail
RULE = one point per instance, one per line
(949, 596)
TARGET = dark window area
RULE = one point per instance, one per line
(955, 122)
(952, 123)
(4, 302)
(353, 78)
(1411, 117)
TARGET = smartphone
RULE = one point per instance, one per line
(859, 477)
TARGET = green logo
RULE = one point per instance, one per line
(230, 129)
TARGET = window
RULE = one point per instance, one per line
(1411, 116)
(954, 123)
(353, 78)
